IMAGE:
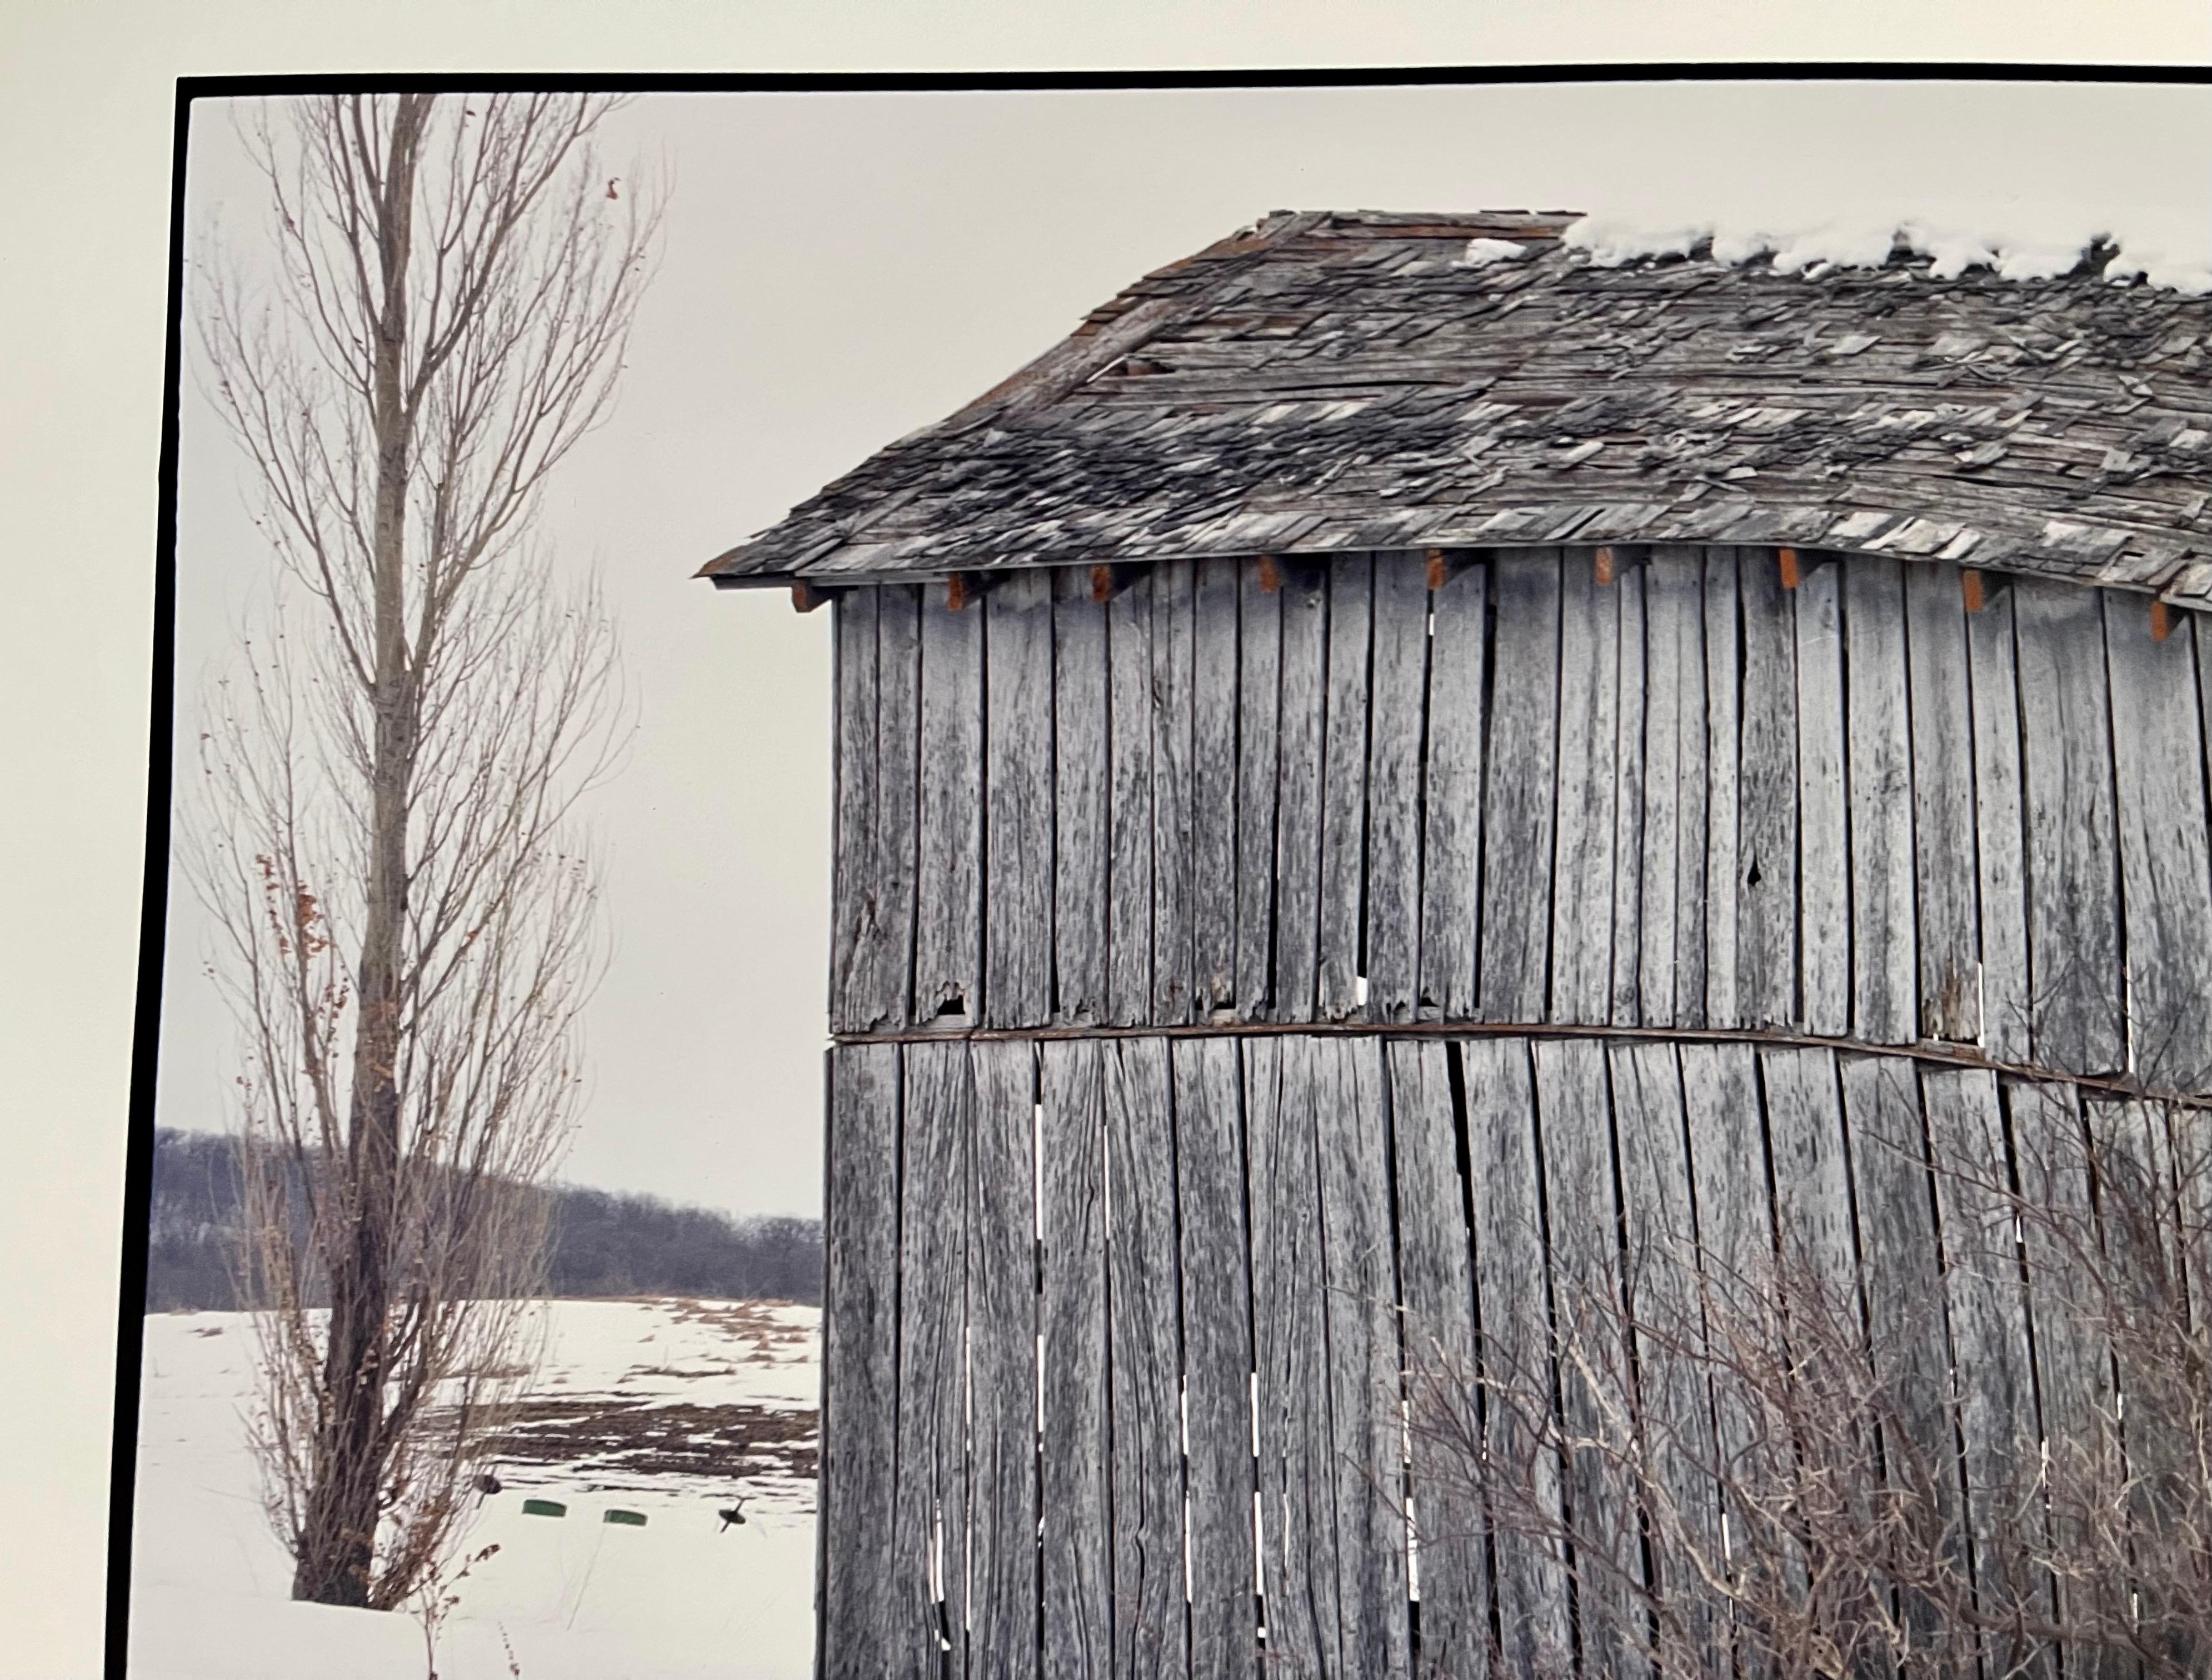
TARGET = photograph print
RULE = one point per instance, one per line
(1467, 931)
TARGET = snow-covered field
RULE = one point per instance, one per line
(663, 1408)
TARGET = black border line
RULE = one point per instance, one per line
(146, 1029)
(153, 919)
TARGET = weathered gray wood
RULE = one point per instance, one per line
(2000, 855)
(1298, 796)
(1722, 687)
(1722, 1107)
(1451, 851)
(1824, 880)
(1518, 773)
(1217, 1357)
(1531, 1580)
(1628, 806)
(1812, 1187)
(1344, 787)
(1075, 1567)
(1766, 846)
(852, 840)
(948, 947)
(863, 1623)
(1082, 835)
(1129, 765)
(2076, 1412)
(1017, 777)
(1174, 709)
(1903, 1294)
(2077, 1020)
(885, 997)
(1259, 712)
(1947, 909)
(1659, 1240)
(2166, 874)
(1298, 1504)
(1988, 1317)
(1146, 1359)
(929, 1570)
(1671, 930)
(1885, 959)
(1394, 786)
(1583, 1221)
(1001, 1641)
(1366, 1422)
(1436, 1287)
(1585, 866)
(1213, 789)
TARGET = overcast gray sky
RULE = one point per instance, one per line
(840, 269)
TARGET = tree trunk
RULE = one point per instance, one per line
(336, 1556)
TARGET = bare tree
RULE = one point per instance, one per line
(406, 914)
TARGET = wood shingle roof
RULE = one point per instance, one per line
(1348, 382)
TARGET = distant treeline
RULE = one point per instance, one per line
(604, 1242)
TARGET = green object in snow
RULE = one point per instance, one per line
(629, 1518)
(544, 1507)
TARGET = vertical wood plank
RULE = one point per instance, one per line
(1173, 708)
(1885, 963)
(1297, 1509)
(2077, 1011)
(1531, 1580)
(1394, 786)
(949, 885)
(889, 964)
(1584, 864)
(1451, 884)
(929, 1563)
(1129, 753)
(1943, 855)
(1018, 830)
(853, 987)
(1260, 703)
(1767, 794)
(1671, 935)
(2166, 874)
(1365, 1361)
(1001, 1641)
(1082, 835)
(1988, 1317)
(864, 1624)
(1518, 788)
(1145, 1359)
(1437, 1284)
(1213, 789)
(1217, 1358)
(1574, 1098)
(1344, 785)
(2000, 855)
(1299, 798)
(1628, 805)
(1077, 1520)
(1728, 1167)
(1812, 1187)
(1824, 883)
(1723, 678)
(1659, 1242)
(2076, 1412)
(1904, 1293)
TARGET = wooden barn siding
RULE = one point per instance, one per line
(1042, 1454)
(1690, 797)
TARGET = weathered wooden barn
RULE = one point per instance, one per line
(1380, 775)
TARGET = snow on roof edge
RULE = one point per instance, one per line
(1813, 249)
